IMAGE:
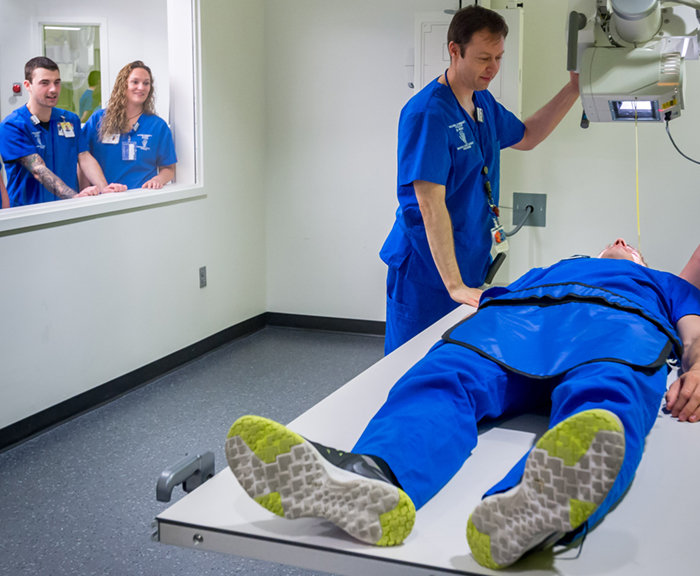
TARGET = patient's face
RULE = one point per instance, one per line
(620, 250)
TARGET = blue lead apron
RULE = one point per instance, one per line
(545, 331)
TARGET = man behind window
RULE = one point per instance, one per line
(42, 145)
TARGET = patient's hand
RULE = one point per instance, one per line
(466, 295)
(683, 397)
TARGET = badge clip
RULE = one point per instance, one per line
(500, 240)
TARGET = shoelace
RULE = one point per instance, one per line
(580, 546)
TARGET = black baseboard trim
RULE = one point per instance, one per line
(326, 324)
(40, 422)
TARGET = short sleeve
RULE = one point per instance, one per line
(423, 151)
(682, 298)
(14, 142)
(90, 132)
(509, 129)
(80, 136)
(166, 148)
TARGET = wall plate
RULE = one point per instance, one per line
(521, 200)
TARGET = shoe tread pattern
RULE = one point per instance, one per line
(299, 482)
(567, 476)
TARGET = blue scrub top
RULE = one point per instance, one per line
(19, 137)
(554, 319)
(440, 143)
(85, 102)
(154, 148)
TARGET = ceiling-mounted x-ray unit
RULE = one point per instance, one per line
(631, 56)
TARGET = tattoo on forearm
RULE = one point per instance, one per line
(48, 179)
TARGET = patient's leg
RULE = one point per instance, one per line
(633, 396)
(601, 413)
(428, 425)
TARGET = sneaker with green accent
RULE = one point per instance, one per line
(567, 476)
(295, 478)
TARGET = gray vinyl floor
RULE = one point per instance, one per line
(80, 499)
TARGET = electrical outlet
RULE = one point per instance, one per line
(202, 276)
(521, 200)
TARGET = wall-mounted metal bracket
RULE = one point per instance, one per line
(191, 472)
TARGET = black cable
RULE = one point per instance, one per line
(676, 147)
(529, 210)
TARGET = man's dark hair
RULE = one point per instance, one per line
(38, 62)
(94, 78)
(472, 19)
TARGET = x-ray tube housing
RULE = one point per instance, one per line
(641, 75)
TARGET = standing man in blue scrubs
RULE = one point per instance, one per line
(42, 145)
(450, 137)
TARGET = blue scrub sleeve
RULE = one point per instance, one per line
(424, 152)
(166, 149)
(14, 143)
(509, 128)
(682, 298)
(90, 132)
(83, 144)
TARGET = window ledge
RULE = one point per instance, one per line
(24, 218)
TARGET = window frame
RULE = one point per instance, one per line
(65, 212)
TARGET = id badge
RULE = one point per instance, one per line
(68, 131)
(500, 240)
(129, 150)
(113, 139)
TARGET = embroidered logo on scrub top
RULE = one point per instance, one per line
(37, 135)
(462, 136)
(144, 141)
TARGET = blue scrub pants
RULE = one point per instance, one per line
(411, 307)
(428, 426)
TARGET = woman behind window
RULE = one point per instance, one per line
(133, 145)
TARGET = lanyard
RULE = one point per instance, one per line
(484, 170)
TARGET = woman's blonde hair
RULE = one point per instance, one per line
(114, 120)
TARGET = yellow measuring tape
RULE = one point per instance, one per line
(636, 138)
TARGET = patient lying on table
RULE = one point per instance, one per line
(587, 337)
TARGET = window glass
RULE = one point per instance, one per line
(76, 50)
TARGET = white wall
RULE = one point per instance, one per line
(85, 303)
(137, 30)
(336, 83)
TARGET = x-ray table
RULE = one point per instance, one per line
(653, 531)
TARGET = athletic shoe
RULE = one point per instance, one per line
(567, 476)
(294, 478)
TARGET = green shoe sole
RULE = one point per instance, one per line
(567, 476)
(287, 475)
